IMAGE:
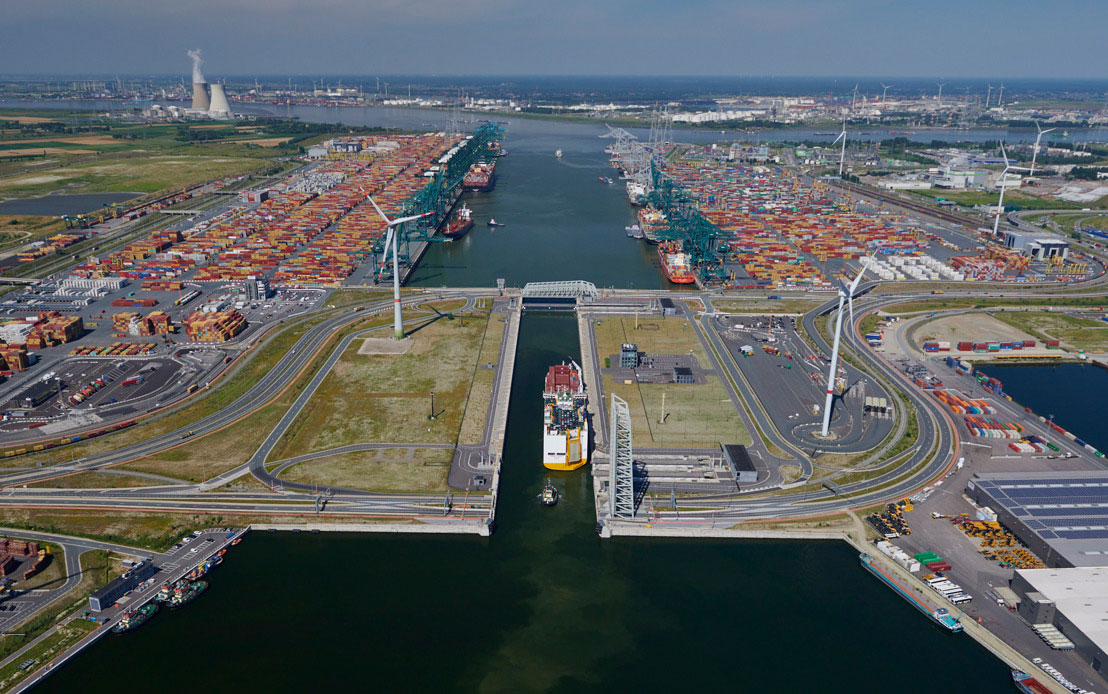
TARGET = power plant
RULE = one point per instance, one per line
(213, 103)
(200, 101)
(218, 106)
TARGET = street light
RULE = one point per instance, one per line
(432, 415)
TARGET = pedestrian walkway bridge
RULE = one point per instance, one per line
(575, 290)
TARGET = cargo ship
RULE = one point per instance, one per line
(461, 222)
(1028, 684)
(134, 619)
(480, 177)
(636, 193)
(650, 221)
(565, 427)
(939, 616)
(675, 263)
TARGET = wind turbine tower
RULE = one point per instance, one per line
(391, 237)
(988, 94)
(1035, 150)
(941, 85)
(846, 296)
(1000, 98)
(842, 152)
(884, 91)
(1003, 187)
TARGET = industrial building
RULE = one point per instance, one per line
(106, 596)
(257, 288)
(742, 467)
(1074, 601)
(1036, 246)
(629, 356)
(1061, 516)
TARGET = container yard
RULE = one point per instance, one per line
(767, 227)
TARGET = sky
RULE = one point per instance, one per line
(967, 38)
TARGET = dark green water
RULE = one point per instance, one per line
(1076, 394)
(562, 223)
(542, 605)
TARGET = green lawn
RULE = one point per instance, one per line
(1080, 333)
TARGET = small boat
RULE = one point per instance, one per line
(135, 618)
(632, 229)
(236, 541)
(604, 179)
(494, 223)
(1028, 684)
(558, 153)
(549, 495)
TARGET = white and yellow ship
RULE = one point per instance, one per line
(565, 425)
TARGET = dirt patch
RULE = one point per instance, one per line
(80, 140)
(385, 345)
(26, 119)
(262, 142)
(969, 327)
(46, 150)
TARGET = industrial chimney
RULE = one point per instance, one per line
(219, 108)
(200, 101)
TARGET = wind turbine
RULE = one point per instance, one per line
(884, 90)
(941, 85)
(1000, 99)
(1035, 151)
(391, 237)
(988, 94)
(854, 96)
(842, 154)
(846, 296)
(1003, 186)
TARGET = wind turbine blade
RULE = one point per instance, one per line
(385, 253)
(850, 305)
(1005, 155)
(402, 220)
(381, 212)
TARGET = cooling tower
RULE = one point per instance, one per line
(219, 108)
(200, 101)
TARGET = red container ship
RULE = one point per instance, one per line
(461, 222)
(675, 263)
(480, 177)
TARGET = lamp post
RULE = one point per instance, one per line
(431, 416)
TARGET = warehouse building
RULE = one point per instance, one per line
(742, 467)
(1037, 246)
(106, 596)
(1074, 601)
(1061, 516)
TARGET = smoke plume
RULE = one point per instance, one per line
(197, 61)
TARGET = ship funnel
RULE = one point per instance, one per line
(200, 101)
(219, 108)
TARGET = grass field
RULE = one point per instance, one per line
(1080, 333)
(969, 302)
(385, 470)
(386, 398)
(756, 306)
(480, 394)
(146, 174)
(96, 480)
(695, 415)
(1011, 199)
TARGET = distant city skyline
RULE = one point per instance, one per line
(991, 38)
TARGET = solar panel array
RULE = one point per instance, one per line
(1057, 508)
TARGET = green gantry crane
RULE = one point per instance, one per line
(699, 238)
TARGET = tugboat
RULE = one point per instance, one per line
(184, 595)
(549, 495)
(494, 223)
(134, 619)
(558, 153)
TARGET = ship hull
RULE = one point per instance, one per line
(568, 450)
(457, 231)
(671, 273)
(946, 621)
